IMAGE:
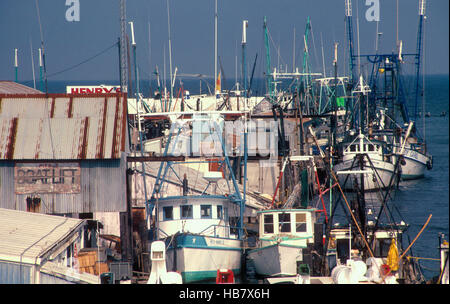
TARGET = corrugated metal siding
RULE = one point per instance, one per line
(50, 279)
(14, 273)
(62, 127)
(103, 189)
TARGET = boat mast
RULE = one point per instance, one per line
(32, 64)
(348, 17)
(244, 59)
(242, 207)
(422, 6)
(170, 56)
(138, 100)
(215, 44)
(269, 79)
(16, 64)
(123, 49)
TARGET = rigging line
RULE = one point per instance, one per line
(42, 45)
(276, 48)
(84, 61)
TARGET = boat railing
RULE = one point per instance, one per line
(214, 229)
(162, 231)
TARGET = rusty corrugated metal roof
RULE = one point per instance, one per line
(61, 126)
(10, 87)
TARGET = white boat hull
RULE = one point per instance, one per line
(199, 257)
(414, 166)
(276, 260)
(377, 179)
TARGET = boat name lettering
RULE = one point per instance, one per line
(217, 242)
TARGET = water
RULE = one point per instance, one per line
(415, 200)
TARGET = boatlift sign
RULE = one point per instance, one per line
(31, 178)
(101, 89)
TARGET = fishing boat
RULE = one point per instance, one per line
(365, 162)
(203, 233)
(286, 240)
(198, 236)
(414, 155)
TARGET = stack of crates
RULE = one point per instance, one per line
(90, 262)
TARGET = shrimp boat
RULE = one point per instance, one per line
(290, 238)
(198, 237)
(203, 233)
(287, 238)
(365, 162)
(413, 152)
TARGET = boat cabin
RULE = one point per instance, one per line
(287, 224)
(366, 146)
(339, 244)
(203, 215)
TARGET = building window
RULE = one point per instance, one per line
(300, 222)
(205, 211)
(268, 223)
(219, 212)
(186, 211)
(168, 213)
(284, 220)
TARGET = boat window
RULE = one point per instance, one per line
(219, 212)
(342, 248)
(352, 148)
(371, 147)
(186, 211)
(382, 248)
(167, 213)
(268, 223)
(300, 222)
(284, 220)
(205, 211)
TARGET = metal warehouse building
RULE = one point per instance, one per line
(62, 153)
(38, 248)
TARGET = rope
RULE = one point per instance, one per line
(84, 61)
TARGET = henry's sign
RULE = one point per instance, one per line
(101, 89)
(32, 178)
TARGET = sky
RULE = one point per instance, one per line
(192, 35)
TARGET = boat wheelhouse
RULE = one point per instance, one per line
(286, 239)
(365, 161)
